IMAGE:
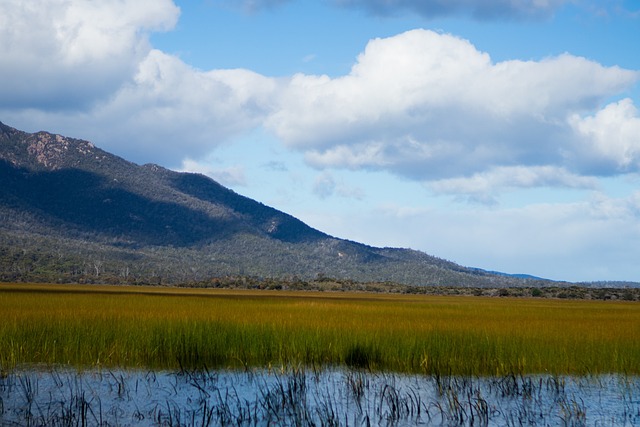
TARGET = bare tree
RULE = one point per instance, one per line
(97, 264)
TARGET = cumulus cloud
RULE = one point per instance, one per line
(66, 54)
(430, 107)
(609, 140)
(167, 111)
(423, 105)
(192, 111)
(480, 9)
(86, 69)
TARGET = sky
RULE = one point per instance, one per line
(498, 134)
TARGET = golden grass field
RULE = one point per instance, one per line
(169, 328)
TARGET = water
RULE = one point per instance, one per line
(307, 397)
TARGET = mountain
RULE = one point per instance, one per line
(70, 211)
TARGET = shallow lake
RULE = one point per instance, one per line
(307, 397)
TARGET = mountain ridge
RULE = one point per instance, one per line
(71, 211)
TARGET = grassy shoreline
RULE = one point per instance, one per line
(169, 328)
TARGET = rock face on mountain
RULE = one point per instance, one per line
(70, 211)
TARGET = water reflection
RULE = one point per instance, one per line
(312, 397)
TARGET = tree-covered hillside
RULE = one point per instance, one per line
(70, 211)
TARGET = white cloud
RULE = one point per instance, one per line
(430, 106)
(86, 69)
(166, 111)
(173, 107)
(609, 141)
(423, 105)
(66, 54)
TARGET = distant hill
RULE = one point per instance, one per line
(70, 211)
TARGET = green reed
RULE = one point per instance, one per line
(169, 328)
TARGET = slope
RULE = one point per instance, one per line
(70, 211)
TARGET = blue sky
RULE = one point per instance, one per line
(497, 134)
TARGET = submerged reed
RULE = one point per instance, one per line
(301, 398)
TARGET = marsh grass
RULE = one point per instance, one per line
(171, 328)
